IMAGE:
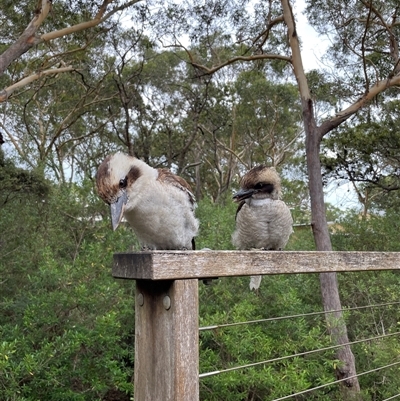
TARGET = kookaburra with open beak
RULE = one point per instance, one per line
(262, 219)
(157, 204)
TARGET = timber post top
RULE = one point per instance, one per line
(177, 265)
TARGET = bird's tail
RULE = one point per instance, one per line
(255, 282)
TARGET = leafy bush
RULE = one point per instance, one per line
(65, 323)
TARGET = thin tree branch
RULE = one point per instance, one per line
(377, 88)
(5, 93)
(394, 48)
(29, 39)
(210, 71)
(363, 40)
(12, 139)
(98, 19)
(232, 152)
(265, 34)
(26, 40)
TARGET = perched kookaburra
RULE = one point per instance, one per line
(262, 219)
(157, 204)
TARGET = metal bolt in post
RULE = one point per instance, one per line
(140, 299)
(167, 302)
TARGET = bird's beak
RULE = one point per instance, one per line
(117, 210)
(243, 194)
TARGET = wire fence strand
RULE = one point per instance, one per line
(337, 381)
(270, 319)
(217, 372)
(392, 398)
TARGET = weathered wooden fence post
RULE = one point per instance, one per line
(166, 331)
(166, 340)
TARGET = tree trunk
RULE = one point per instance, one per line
(329, 284)
(328, 281)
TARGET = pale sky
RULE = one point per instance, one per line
(339, 194)
(313, 45)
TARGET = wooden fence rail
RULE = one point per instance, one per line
(166, 304)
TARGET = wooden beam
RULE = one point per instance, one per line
(166, 341)
(173, 265)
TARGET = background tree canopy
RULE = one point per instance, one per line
(208, 89)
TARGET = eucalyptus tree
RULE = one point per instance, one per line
(46, 123)
(54, 31)
(55, 98)
(366, 153)
(364, 149)
(268, 118)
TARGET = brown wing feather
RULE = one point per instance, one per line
(167, 177)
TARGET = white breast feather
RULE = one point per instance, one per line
(161, 215)
(265, 223)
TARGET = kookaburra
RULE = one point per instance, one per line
(157, 204)
(263, 221)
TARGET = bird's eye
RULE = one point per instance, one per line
(259, 185)
(123, 182)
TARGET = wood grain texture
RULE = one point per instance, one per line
(170, 265)
(166, 341)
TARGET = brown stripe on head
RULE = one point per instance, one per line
(133, 175)
(103, 171)
(261, 174)
(103, 180)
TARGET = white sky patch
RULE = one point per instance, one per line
(313, 45)
(342, 195)
(313, 48)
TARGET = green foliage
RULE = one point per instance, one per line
(65, 323)
(229, 300)
(366, 153)
(14, 180)
(368, 233)
(64, 337)
(217, 222)
(371, 233)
